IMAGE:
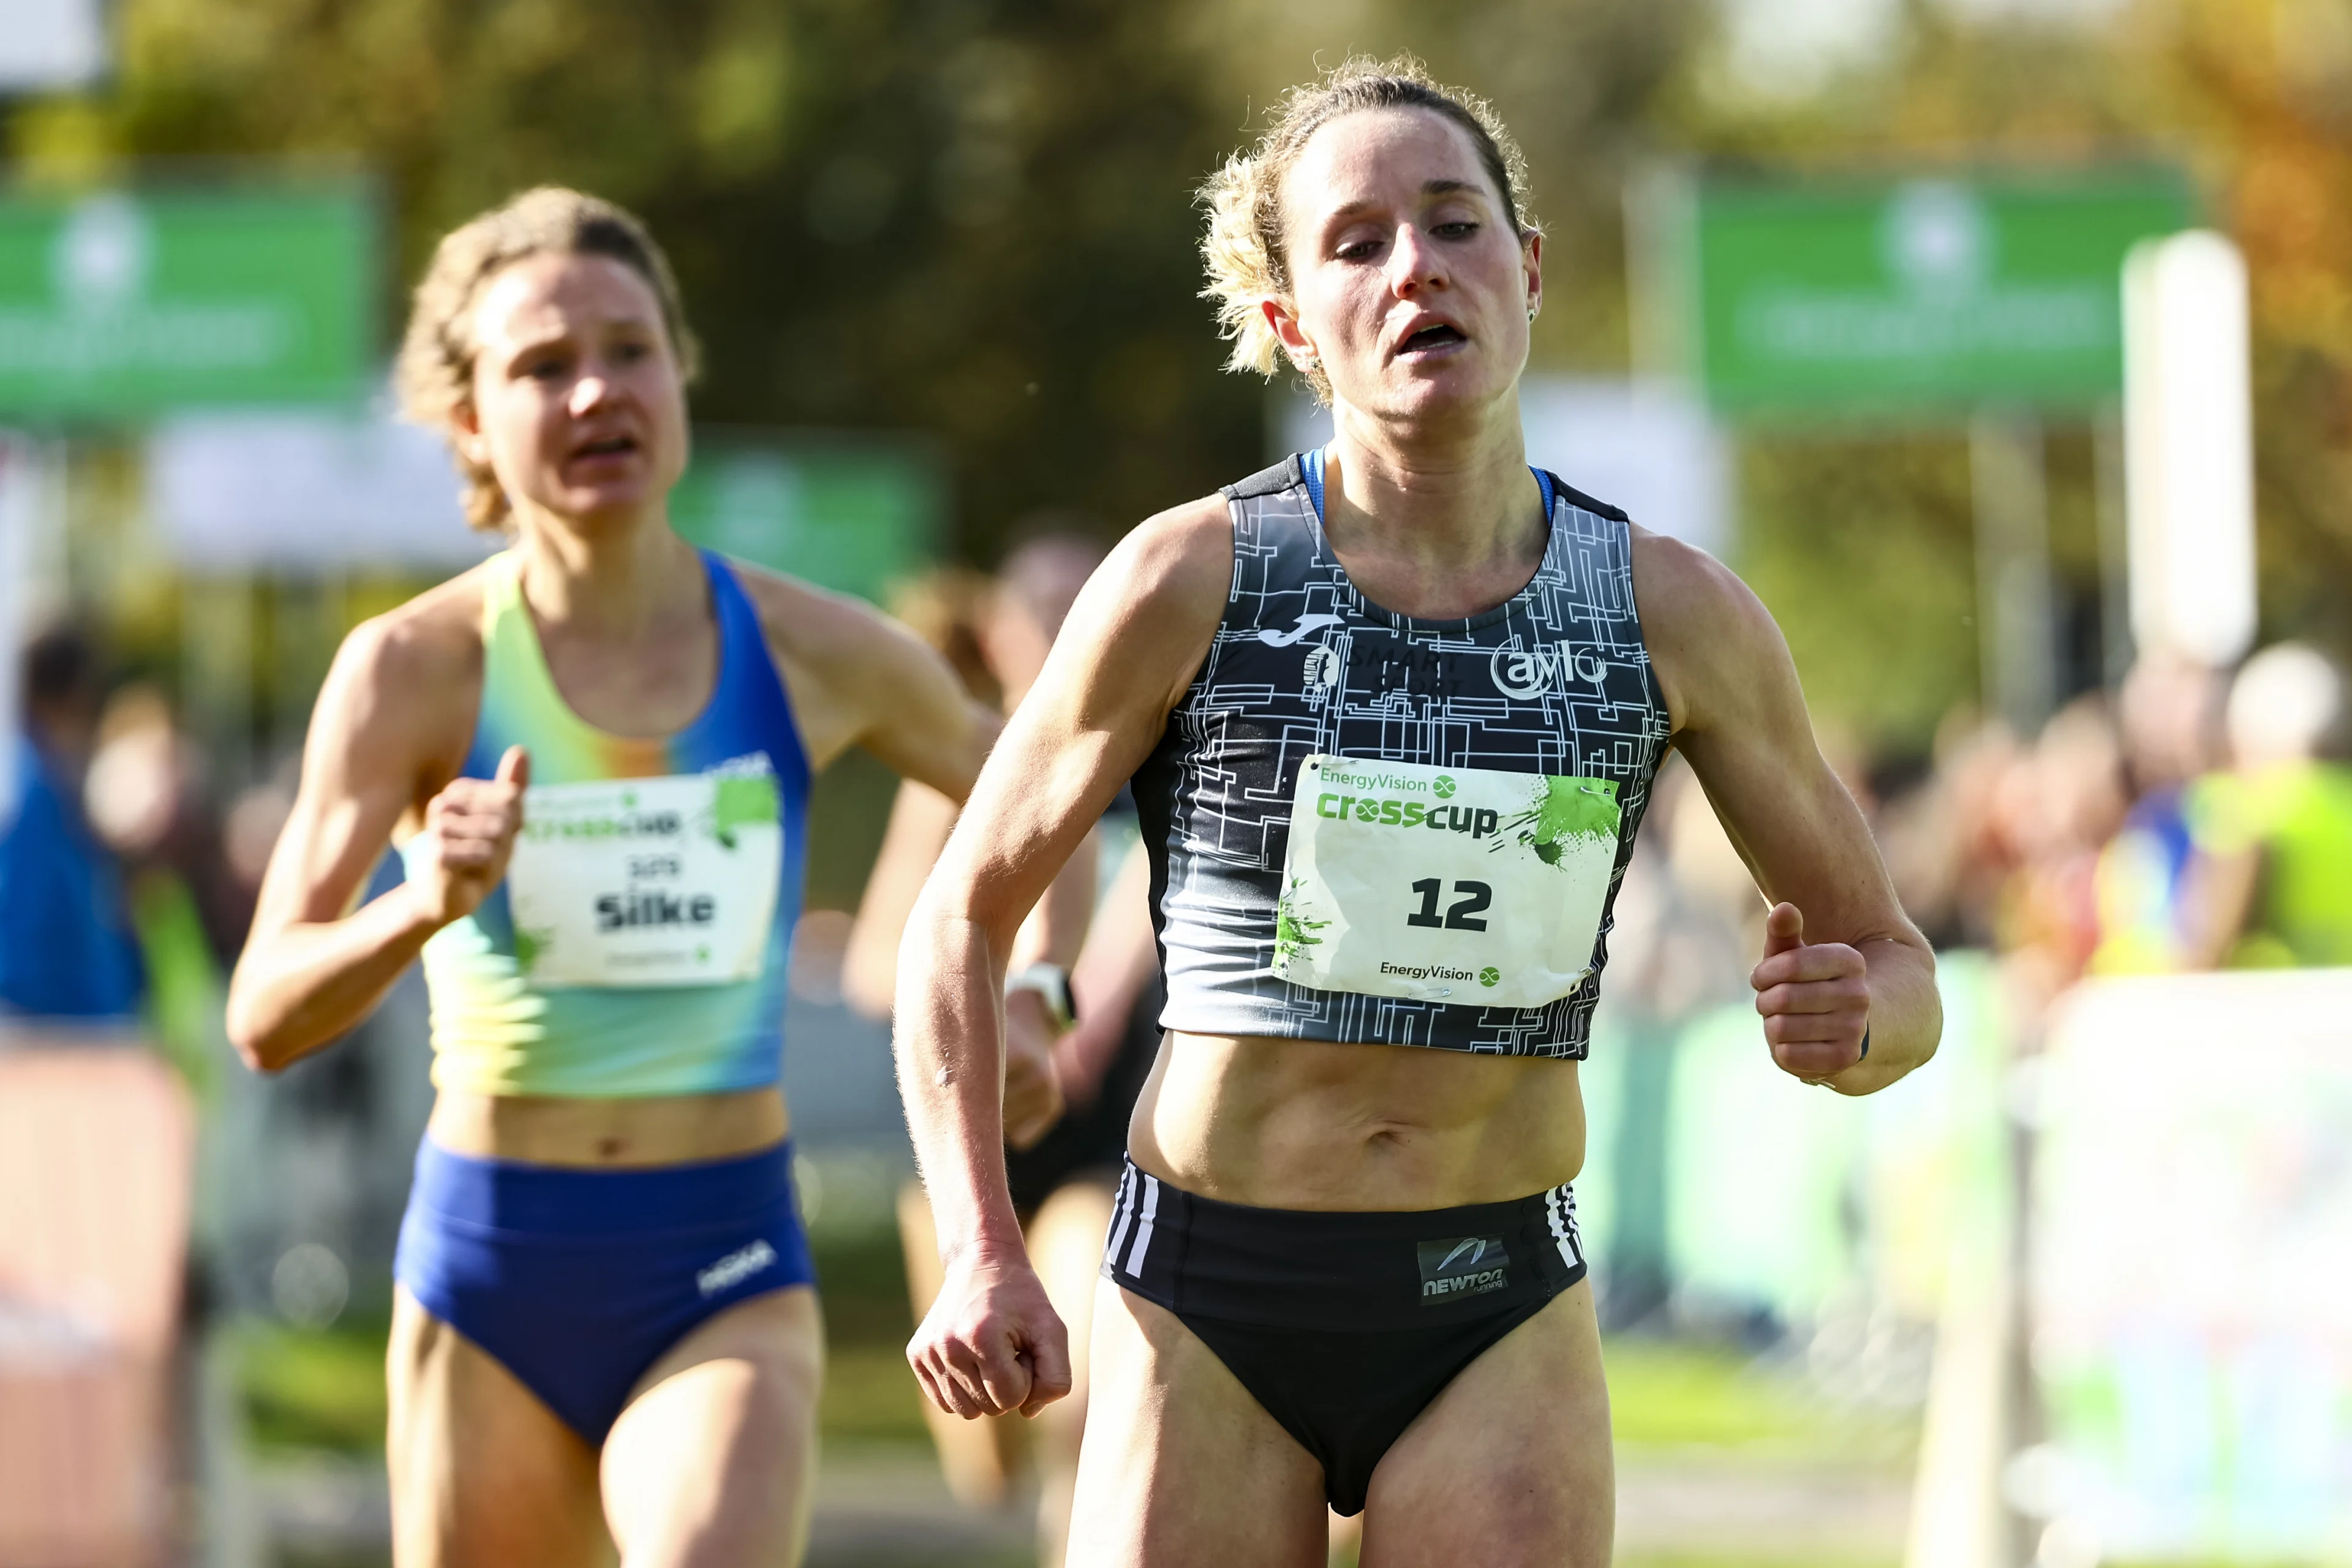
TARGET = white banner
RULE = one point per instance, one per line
(49, 44)
(307, 494)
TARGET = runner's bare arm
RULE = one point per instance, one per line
(1841, 957)
(1129, 648)
(920, 819)
(313, 966)
(858, 678)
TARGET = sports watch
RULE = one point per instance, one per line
(1051, 981)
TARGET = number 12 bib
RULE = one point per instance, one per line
(1459, 885)
(654, 881)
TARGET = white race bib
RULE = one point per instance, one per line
(660, 881)
(1458, 885)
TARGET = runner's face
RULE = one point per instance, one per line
(578, 404)
(1407, 281)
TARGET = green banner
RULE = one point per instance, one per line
(120, 304)
(1895, 296)
(852, 515)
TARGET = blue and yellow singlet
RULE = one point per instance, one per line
(638, 944)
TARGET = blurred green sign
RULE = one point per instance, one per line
(1921, 294)
(850, 515)
(123, 303)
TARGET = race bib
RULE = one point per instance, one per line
(660, 881)
(1458, 885)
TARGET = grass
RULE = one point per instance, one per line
(870, 1397)
(325, 1388)
(1668, 1394)
(315, 1388)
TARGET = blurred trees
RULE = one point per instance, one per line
(1861, 545)
(972, 218)
(2258, 94)
(961, 217)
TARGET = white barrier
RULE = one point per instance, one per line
(2192, 1267)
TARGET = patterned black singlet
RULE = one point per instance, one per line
(1555, 680)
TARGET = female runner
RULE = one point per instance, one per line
(1391, 711)
(594, 753)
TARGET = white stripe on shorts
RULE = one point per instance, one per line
(1560, 1205)
(1143, 1231)
(1122, 1211)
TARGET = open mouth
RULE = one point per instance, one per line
(606, 447)
(1436, 336)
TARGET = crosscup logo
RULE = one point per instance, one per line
(628, 823)
(1476, 821)
(1457, 1267)
(735, 1267)
(1307, 626)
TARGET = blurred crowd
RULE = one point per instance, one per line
(2199, 820)
(2195, 819)
(127, 876)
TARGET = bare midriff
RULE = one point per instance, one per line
(673, 1130)
(1309, 1124)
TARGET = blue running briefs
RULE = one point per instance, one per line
(578, 1280)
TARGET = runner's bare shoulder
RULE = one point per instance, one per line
(406, 685)
(1153, 607)
(857, 677)
(804, 622)
(1712, 642)
(855, 654)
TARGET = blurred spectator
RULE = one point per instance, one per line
(249, 830)
(1943, 837)
(145, 799)
(66, 944)
(2272, 879)
(2059, 804)
(2169, 707)
(997, 633)
(1688, 918)
(147, 796)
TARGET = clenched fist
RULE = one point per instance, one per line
(991, 1342)
(1815, 999)
(469, 832)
